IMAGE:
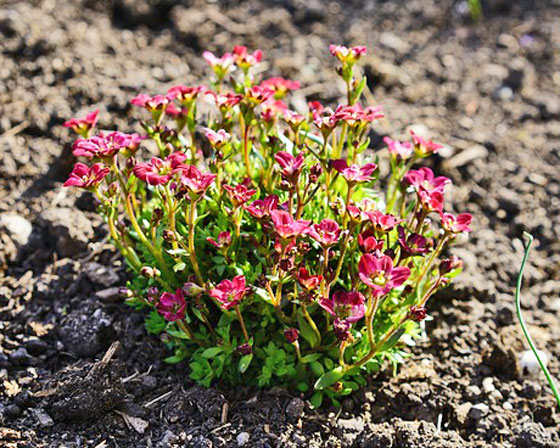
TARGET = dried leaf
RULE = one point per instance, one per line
(12, 388)
(39, 329)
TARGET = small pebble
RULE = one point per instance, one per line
(529, 364)
(488, 385)
(242, 438)
(507, 406)
(478, 411)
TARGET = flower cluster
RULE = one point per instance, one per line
(264, 250)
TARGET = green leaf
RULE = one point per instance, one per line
(155, 323)
(317, 399)
(393, 339)
(177, 334)
(310, 358)
(317, 368)
(263, 294)
(211, 352)
(177, 252)
(329, 378)
(307, 332)
(244, 362)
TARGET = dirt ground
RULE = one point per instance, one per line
(488, 90)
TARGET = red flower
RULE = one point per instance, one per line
(285, 225)
(150, 103)
(424, 180)
(456, 224)
(380, 275)
(217, 138)
(230, 292)
(291, 166)
(413, 245)
(450, 264)
(221, 66)
(172, 306)
(261, 208)
(102, 146)
(195, 181)
(348, 55)
(353, 173)
(324, 118)
(239, 194)
(308, 281)
(83, 176)
(82, 126)
(345, 306)
(244, 59)
(224, 240)
(185, 94)
(399, 150)
(368, 243)
(382, 222)
(176, 113)
(280, 86)
(424, 147)
(158, 171)
(326, 233)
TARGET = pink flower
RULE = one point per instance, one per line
(368, 243)
(82, 126)
(456, 224)
(83, 176)
(256, 95)
(239, 194)
(217, 138)
(221, 66)
(261, 208)
(102, 146)
(150, 103)
(382, 222)
(324, 118)
(293, 119)
(345, 306)
(413, 245)
(450, 264)
(225, 101)
(280, 86)
(230, 292)
(308, 281)
(399, 150)
(353, 173)
(185, 94)
(291, 166)
(432, 201)
(244, 59)
(355, 116)
(424, 180)
(158, 171)
(175, 112)
(285, 225)
(424, 147)
(326, 233)
(272, 108)
(349, 55)
(224, 240)
(172, 306)
(195, 181)
(380, 275)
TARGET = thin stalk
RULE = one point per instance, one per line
(311, 322)
(242, 323)
(192, 252)
(522, 321)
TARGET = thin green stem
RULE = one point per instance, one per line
(522, 321)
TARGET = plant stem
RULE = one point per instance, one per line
(522, 321)
(192, 251)
(242, 323)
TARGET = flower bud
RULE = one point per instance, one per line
(314, 172)
(168, 235)
(157, 214)
(341, 329)
(291, 335)
(245, 349)
(112, 189)
(130, 163)
(450, 264)
(125, 293)
(192, 289)
(150, 272)
(152, 294)
(417, 313)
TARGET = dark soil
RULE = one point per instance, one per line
(489, 90)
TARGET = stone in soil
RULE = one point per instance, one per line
(69, 228)
(85, 333)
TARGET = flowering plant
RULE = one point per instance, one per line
(270, 248)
